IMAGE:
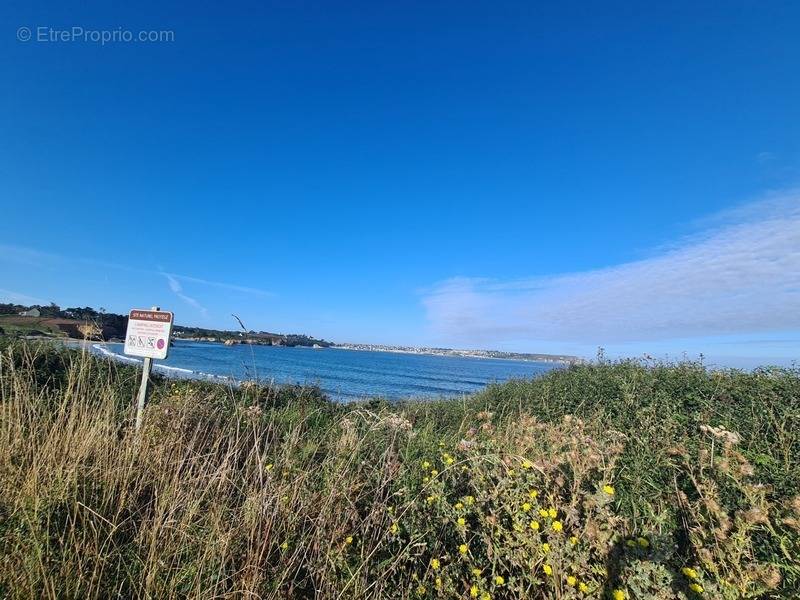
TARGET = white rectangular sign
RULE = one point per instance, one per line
(148, 333)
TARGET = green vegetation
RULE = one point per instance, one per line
(614, 481)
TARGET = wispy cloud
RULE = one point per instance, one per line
(740, 275)
(19, 298)
(37, 258)
(177, 289)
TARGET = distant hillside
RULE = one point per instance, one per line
(88, 323)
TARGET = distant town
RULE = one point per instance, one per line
(87, 323)
(558, 358)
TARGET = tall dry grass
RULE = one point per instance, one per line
(266, 492)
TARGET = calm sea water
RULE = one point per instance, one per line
(343, 374)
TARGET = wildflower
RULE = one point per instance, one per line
(476, 572)
(426, 465)
(557, 526)
(609, 489)
(526, 506)
(426, 479)
(284, 545)
(438, 582)
(470, 500)
(573, 540)
(435, 564)
(552, 513)
(421, 590)
(461, 521)
(535, 525)
(511, 472)
(533, 494)
(473, 591)
(390, 509)
(434, 472)
(545, 547)
(449, 460)
(643, 542)
(572, 580)
(696, 588)
(583, 587)
(548, 570)
(618, 595)
(464, 467)
(689, 572)
(526, 464)
(486, 596)
(394, 529)
(499, 580)
(543, 512)
(458, 506)
(463, 548)
(269, 466)
(348, 540)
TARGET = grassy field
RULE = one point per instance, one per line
(618, 480)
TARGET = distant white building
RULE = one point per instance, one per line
(34, 312)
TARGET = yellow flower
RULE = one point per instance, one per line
(434, 472)
(390, 509)
(552, 513)
(643, 542)
(499, 580)
(511, 472)
(426, 479)
(269, 466)
(438, 582)
(435, 564)
(573, 540)
(461, 521)
(583, 587)
(526, 464)
(545, 547)
(526, 506)
(473, 591)
(394, 528)
(476, 572)
(486, 596)
(348, 539)
(572, 580)
(689, 572)
(618, 595)
(421, 590)
(535, 525)
(557, 526)
(284, 545)
(469, 500)
(463, 467)
(463, 548)
(431, 499)
(458, 506)
(449, 460)
(696, 588)
(542, 512)
(548, 570)
(609, 489)
(533, 494)
(426, 465)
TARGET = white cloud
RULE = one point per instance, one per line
(35, 258)
(19, 298)
(177, 289)
(741, 275)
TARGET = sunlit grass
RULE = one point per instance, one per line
(604, 481)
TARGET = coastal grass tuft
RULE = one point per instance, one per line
(607, 480)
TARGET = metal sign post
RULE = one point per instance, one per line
(148, 336)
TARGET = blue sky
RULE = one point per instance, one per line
(503, 175)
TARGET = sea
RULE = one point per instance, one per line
(344, 375)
